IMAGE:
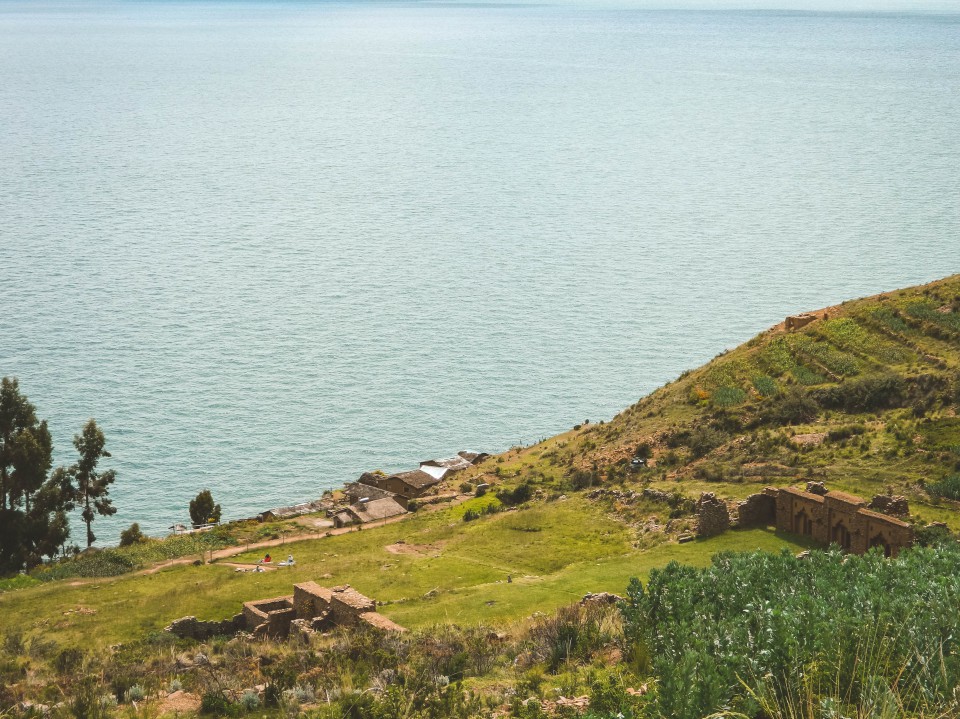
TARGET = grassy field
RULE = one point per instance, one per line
(449, 571)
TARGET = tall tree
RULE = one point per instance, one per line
(25, 447)
(33, 510)
(91, 488)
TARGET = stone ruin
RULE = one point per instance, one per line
(712, 515)
(831, 517)
(795, 322)
(894, 505)
(758, 510)
(311, 608)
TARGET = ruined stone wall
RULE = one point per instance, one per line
(347, 604)
(193, 628)
(894, 505)
(310, 600)
(795, 322)
(259, 612)
(758, 510)
(712, 515)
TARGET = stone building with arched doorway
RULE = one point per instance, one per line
(838, 518)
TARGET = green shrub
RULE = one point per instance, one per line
(704, 440)
(948, 487)
(518, 495)
(867, 394)
(132, 535)
(214, 702)
(249, 700)
(717, 636)
(845, 432)
(728, 396)
(795, 406)
(765, 385)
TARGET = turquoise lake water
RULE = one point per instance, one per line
(271, 246)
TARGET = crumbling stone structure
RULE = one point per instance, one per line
(193, 628)
(894, 505)
(817, 488)
(712, 515)
(840, 518)
(758, 510)
(795, 322)
(311, 608)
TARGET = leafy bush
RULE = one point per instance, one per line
(703, 440)
(214, 702)
(948, 487)
(300, 694)
(132, 535)
(470, 515)
(574, 632)
(134, 694)
(845, 432)
(868, 394)
(728, 396)
(518, 495)
(795, 406)
(249, 700)
(765, 385)
(717, 637)
(19, 581)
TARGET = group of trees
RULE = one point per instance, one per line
(35, 502)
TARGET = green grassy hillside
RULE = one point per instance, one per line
(865, 401)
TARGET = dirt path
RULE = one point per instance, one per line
(227, 552)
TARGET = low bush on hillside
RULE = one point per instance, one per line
(754, 632)
(948, 487)
(518, 495)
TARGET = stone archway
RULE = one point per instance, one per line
(879, 540)
(841, 535)
(802, 524)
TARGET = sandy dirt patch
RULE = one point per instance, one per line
(180, 702)
(417, 550)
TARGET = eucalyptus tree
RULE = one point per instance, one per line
(90, 488)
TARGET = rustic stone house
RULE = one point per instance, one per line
(369, 511)
(405, 485)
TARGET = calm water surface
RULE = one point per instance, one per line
(270, 246)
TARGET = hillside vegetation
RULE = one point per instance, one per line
(864, 400)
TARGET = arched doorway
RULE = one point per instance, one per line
(802, 524)
(841, 535)
(880, 541)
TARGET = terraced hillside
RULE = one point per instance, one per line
(864, 400)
